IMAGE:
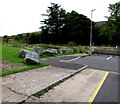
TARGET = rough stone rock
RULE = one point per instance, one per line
(32, 58)
(48, 52)
(60, 50)
(23, 52)
(66, 50)
(37, 50)
(69, 50)
(63, 51)
(54, 51)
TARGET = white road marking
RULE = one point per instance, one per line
(70, 59)
(109, 58)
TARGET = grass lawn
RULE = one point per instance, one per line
(11, 54)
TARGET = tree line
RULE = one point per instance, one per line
(61, 27)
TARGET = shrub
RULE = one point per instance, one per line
(72, 43)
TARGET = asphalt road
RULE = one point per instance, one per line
(109, 91)
(100, 62)
(56, 62)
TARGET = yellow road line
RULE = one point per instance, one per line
(114, 72)
(92, 97)
(108, 71)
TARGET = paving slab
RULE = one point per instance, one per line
(11, 96)
(32, 81)
(78, 88)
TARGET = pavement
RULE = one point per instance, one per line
(76, 89)
(97, 83)
(22, 85)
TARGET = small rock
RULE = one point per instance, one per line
(32, 58)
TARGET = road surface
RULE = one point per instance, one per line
(109, 91)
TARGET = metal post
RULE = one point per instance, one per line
(91, 33)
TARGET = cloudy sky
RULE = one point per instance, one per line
(21, 16)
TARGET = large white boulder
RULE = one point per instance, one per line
(32, 58)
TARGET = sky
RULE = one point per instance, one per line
(22, 16)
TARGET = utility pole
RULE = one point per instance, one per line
(91, 32)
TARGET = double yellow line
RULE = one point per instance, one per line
(92, 97)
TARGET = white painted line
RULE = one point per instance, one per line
(70, 59)
(109, 58)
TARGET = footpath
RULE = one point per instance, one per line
(78, 88)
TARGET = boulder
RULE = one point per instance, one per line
(48, 52)
(37, 50)
(62, 50)
(55, 51)
(23, 52)
(66, 50)
(32, 58)
(69, 50)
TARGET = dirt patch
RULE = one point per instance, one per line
(6, 65)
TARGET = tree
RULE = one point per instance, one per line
(32, 38)
(77, 28)
(19, 37)
(61, 27)
(111, 29)
(55, 22)
(5, 38)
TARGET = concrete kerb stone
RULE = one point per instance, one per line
(56, 82)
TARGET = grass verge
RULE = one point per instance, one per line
(29, 67)
(11, 54)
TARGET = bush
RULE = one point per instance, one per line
(72, 43)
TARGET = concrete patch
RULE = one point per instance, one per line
(76, 89)
(32, 81)
(11, 96)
